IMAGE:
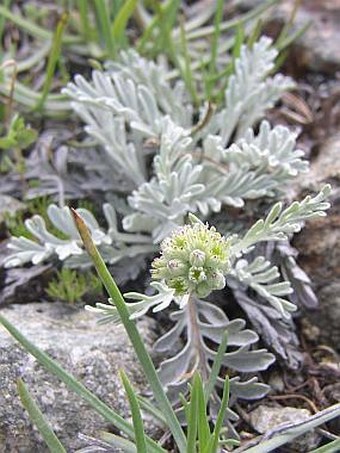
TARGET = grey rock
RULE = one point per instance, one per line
(93, 353)
(265, 418)
(317, 48)
(319, 244)
(327, 317)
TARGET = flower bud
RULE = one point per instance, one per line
(194, 259)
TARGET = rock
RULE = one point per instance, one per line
(318, 244)
(327, 317)
(317, 48)
(265, 418)
(93, 353)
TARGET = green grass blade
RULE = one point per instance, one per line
(86, 29)
(203, 419)
(192, 414)
(214, 443)
(255, 33)
(72, 383)
(37, 418)
(6, 4)
(164, 18)
(213, 69)
(215, 370)
(53, 58)
(136, 414)
(149, 407)
(36, 30)
(132, 331)
(227, 25)
(103, 19)
(289, 23)
(121, 20)
(119, 442)
(331, 447)
(186, 70)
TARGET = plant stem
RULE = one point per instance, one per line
(132, 331)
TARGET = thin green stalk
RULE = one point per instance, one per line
(135, 413)
(72, 383)
(164, 18)
(214, 45)
(210, 30)
(34, 29)
(255, 33)
(331, 447)
(2, 21)
(192, 413)
(82, 6)
(121, 20)
(53, 58)
(216, 367)
(214, 441)
(186, 70)
(292, 37)
(37, 417)
(287, 26)
(132, 331)
(103, 18)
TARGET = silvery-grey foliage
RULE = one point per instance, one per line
(112, 244)
(202, 324)
(69, 174)
(198, 165)
(250, 92)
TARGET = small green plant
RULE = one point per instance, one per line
(70, 285)
(17, 138)
(200, 435)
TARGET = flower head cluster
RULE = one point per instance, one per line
(194, 259)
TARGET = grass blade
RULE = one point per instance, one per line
(53, 58)
(192, 414)
(119, 442)
(121, 20)
(203, 420)
(136, 414)
(132, 331)
(2, 22)
(103, 19)
(38, 419)
(213, 69)
(86, 28)
(215, 370)
(331, 447)
(34, 29)
(213, 444)
(186, 70)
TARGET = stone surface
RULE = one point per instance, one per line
(265, 418)
(317, 48)
(319, 244)
(93, 353)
